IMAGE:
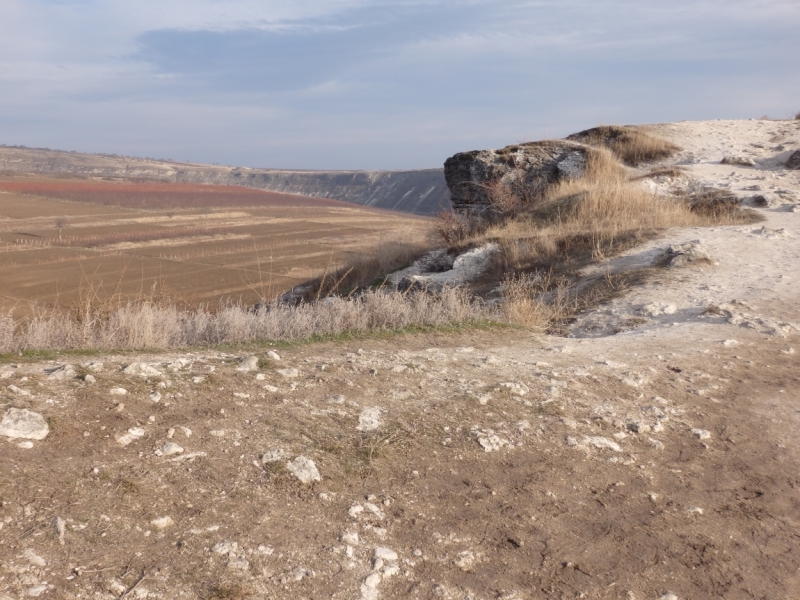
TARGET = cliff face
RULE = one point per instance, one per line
(422, 192)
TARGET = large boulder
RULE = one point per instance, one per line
(525, 169)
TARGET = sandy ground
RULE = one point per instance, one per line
(653, 454)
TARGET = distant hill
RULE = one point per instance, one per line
(422, 192)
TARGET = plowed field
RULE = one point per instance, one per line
(62, 239)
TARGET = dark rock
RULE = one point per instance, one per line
(527, 169)
(759, 200)
(794, 161)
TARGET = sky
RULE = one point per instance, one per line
(366, 84)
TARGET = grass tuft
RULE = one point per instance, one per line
(631, 145)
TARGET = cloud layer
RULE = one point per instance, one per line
(348, 84)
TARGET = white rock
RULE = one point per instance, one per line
(273, 355)
(260, 377)
(162, 522)
(171, 448)
(25, 424)
(61, 373)
(372, 580)
(696, 510)
(249, 363)
(701, 434)
(89, 378)
(155, 396)
(369, 419)
(142, 370)
(668, 596)
(271, 388)
(730, 343)
(36, 590)
(118, 391)
(134, 433)
(198, 379)
(602, 443)
(60, 527)
(187, 457)
(355, 510)
(25, 445)
(35, 559)
(350, 538)
(385, 554)
(18, 391)
(272, 456)
(225, 548)
(289, 372)
(304, 469)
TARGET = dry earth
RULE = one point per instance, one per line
(659, 462)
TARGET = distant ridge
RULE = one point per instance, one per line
(422, 192)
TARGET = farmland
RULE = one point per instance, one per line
(63, 241)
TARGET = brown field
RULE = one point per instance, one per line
(62, 240)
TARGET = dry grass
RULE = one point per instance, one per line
(153, 325)
(631, 145)
(364, 270)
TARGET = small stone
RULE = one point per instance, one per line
(171, 448)
(729, 343)
(260, 377)
(118, 391)
(390, 571)
(369, 419)
(155, 396)
(36, 590)
(272, 456)
(225, 548)
(18, 391)
(372, 580)
(350, 538)
(355, 511)
(89, 378)
(289, 373)
(271, 388)
(742, 161)
(198, 379)
(304, 469)
(668, 596)
(35, 559)
(162, 522)
(25, 424)
(701, 434)
(385, 554)
(142, 370)
(603, 443)
(61, 373)
(249, 363)
(60, 527)
(337, 399)
(639, 427)
(417, 552)
(696, 510)
(132, 434)
(273, 355)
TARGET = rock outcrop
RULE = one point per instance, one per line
(794, 161)
(529, 167)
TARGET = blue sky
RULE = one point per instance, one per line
(348, 84)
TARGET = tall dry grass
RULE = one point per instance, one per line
(630, 144)
(150, 325)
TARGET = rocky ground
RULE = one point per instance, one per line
(651, 455)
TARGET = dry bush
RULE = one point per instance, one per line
(363, 270)
(631, 145)
(453, 228)
(149, 325)
(536, 301)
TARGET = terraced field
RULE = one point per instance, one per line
(64, 240)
